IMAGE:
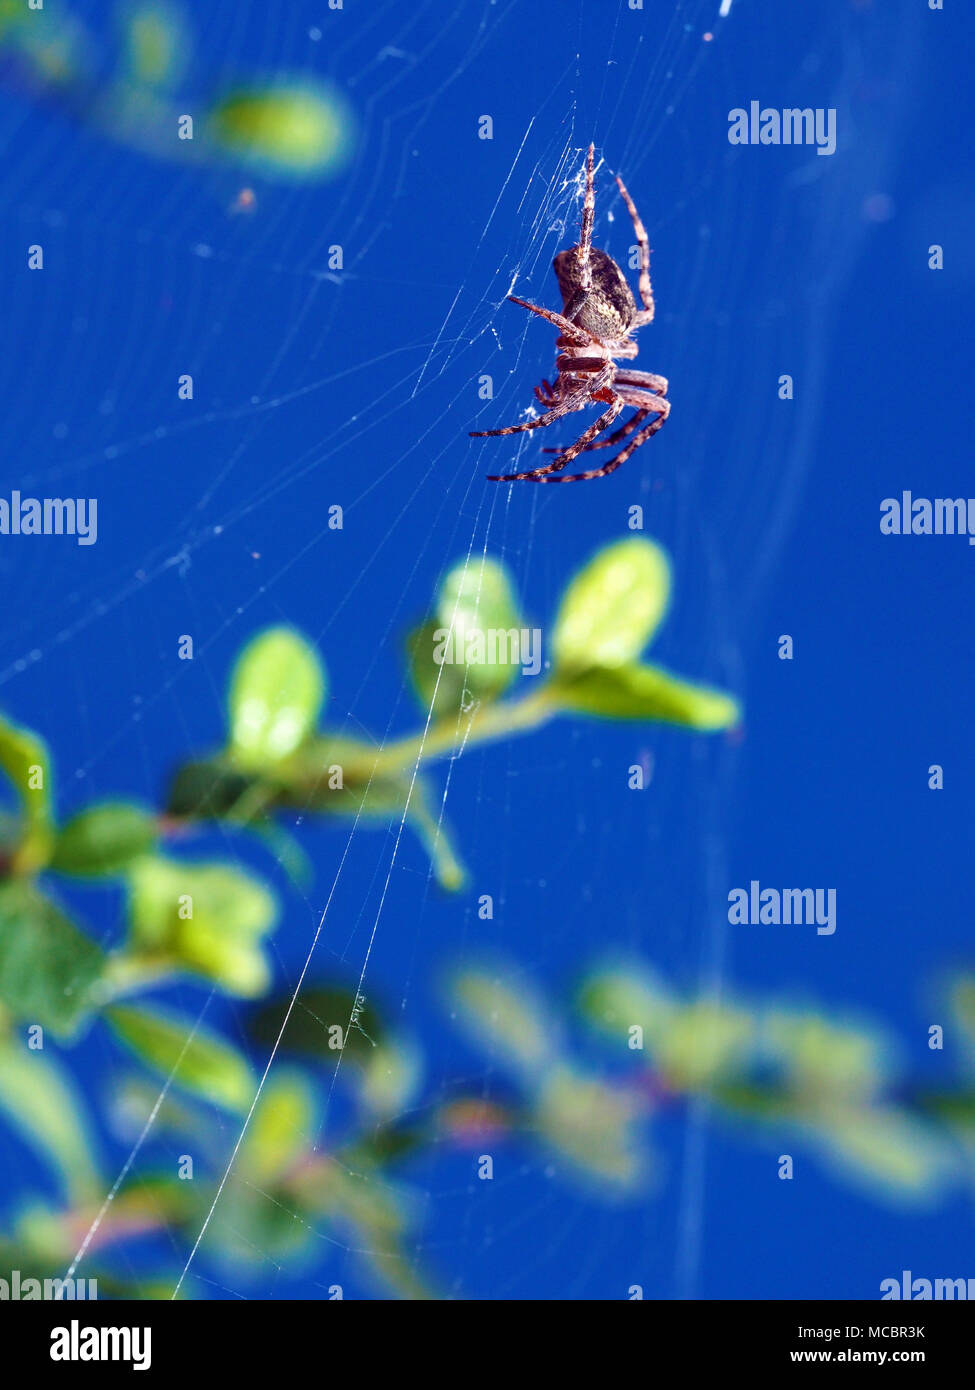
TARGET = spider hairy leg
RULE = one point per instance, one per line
(535, 475)
(643, 242)
(565, 407)
(640, 438)
(616, 437)
(640, 380)
(585, 234)
(577, 336)
(583, 251)
(544, 393)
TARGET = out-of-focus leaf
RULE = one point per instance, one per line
(477, 594)
(372, 1215)
(281, 1130)
(471, 649)
(133, 1098)
(203, 790)
(390, 1077)
(881, 1145)
(441, 687)
(40, 1099)
(252, 1226)
(276, 694)
(198, 1061)
(27, 763)
(208, 918)
(59, 54)
(591, 1124)
(319, 1022)
(295, 129)
(156, 42)
(645, 693)
(510, 1021)
(613, 606)
(617, 999)
(961, 999)
(691, 1045)
(47, 966)
(104, 840)
(703, 1042)
(288, 852)
(821, 1058)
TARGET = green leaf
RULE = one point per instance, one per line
(282, 1129)
(616, 999)
(820, 1058)
(41, 1100)
(157, 44)
(276, 694)
(251, 1227)
(591, 1124)
(702, 1042)
(206, 918)
(47, 966)
(104, 840)
(645, 693)
(27, 762)
(198, 1061)
(470, 648)
(320, 1022)
(961, 1000)
(511, 1022)
(296, 129)
(613, 606)
(884, 1146)
(390, 1078)
(477, 605)
(440, 687)
(209, 790)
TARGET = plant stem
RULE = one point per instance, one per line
(486, 723)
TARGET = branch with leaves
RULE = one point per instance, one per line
(292, 128)
(588, 1106)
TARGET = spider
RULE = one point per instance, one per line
(598, 317)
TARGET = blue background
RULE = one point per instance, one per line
(359, 389)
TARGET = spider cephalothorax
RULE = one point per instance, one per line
(598, 316)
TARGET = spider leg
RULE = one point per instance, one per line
(664, 408)
(643, 242)
(642, 380)
(536, 475)
(585, 236)
(616, 436)
(578, 336)
(565, 407)
(544, 393)
(574, 306)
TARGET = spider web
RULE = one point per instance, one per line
(355, 387)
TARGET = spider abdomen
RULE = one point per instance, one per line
(609, 310)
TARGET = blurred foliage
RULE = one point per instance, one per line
(284, 128)
(587, 1097)
(277, 759)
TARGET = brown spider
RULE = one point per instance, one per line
(598, 316)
